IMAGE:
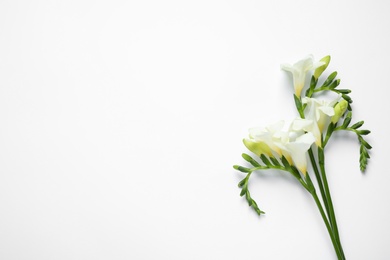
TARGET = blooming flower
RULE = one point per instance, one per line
(309, 126)
(318, 114)
(292, 144)
(299, 71)
(298, 149)
(267, 135)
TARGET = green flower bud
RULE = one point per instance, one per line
(339, 110)
(322, 68)
(257, 147)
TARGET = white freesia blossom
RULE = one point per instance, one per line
(267, 135)
(292, 144)
(319, 113)
(320, 110)
(308, 125)
(298, 149)
(299, 71)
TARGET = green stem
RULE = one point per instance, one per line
(339, 254)
(331, 214)
(319, 180)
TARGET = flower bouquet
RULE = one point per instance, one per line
(305, 139)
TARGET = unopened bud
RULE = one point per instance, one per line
(257, 147)
(322, 68)
(339, 110)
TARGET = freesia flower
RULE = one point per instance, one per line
(299, 71)
(267, 135)
(318, 114)
(292, 144)
(298, 150)
(308, 126)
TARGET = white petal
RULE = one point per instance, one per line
(307, 139)
(329, 111)
(287, 67)
(305, 64)
(301, 124)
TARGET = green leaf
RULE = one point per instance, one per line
(334, 84)
(298, 104)
(363, 142)
(241, 169)
(248, 198)
(313, 84)
(347, 98)
(347, 120)
(364, 132)
(265, 160)
(357, 125)
(242, 183)
(330, 78)
(364, 153)
(329, 132)
(344, 91)
(363, 158)
(285, 163)
(244, 190)
(249, 159)
(294, 171)
(275, 161)
(253, 203)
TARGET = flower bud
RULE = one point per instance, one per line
(339, 110)
(257, 147)
(319, 70)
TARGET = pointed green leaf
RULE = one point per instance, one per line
(334, 84)
(265, 160)
(347, 120)
(275, 161)
(242, 182)
(364, 132)
(285, 163)
(330, 79)
(347, 98)
(241, 169)
(357, 125)
(298, 103)
(330, 130)
(344, 91)
(250, 160)
(363, 142)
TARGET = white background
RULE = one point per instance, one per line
(120, 122)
